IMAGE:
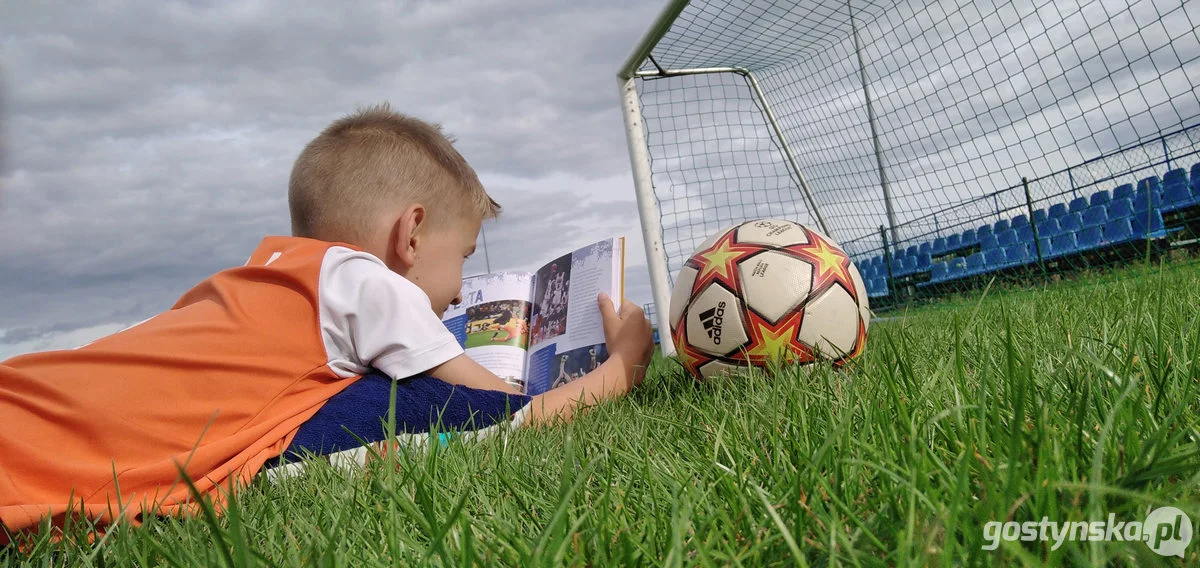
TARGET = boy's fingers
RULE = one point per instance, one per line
(606, 307)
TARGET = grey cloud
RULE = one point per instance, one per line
(527, 87)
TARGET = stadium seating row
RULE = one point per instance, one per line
(1082, 225)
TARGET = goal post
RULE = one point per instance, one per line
(639, 158)
(648, 212)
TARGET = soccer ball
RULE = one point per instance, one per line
(763, 291)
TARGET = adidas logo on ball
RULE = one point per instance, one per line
(711, 318)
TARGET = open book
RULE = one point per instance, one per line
(539, 330)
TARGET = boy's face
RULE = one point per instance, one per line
(438, 266)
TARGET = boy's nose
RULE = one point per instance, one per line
(457, 299)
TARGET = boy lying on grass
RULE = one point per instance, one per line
(281, 356)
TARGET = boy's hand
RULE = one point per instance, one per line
(627, 333)
(630, 345)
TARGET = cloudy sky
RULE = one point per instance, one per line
(148, 144)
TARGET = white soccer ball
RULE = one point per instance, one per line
(767, 290)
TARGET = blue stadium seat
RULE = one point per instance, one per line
(1007, 238)
(1175, 176)
(1040, 216)
(971, 237)
(1196, 178)
(1178, 196)
(1143, 201)
(1000, 226)
(939, 245)
(1100, 198)
(924, 261)
(1153, 230)
(1095, 215)
(1062, 244)
(1123, 191)
(1072, 223)
(1025, 233)
(877, 288)
(975, 264)
(1078, 205)
(925, 248)
(1118, 231)
(1089, 238)
(1051, 228)
(911, 251)
(957, 268)
(1176, 181)
(939, 272)
(1058, 211)
(1020, 221)
(953, 242)
(1019, 254)
(994, 259)
(1120, 208)
(1149, 183)
(988, 242)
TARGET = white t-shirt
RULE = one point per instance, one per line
(373, 317)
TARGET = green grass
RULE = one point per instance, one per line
(1070, 403)
(484, 338)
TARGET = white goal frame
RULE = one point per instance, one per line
(639, 157)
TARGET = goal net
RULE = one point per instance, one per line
(941, 144)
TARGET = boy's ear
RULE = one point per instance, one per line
(407, 234)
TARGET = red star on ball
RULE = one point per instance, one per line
(689, 357)
(830, 264)
(719, 261)
(770, 342)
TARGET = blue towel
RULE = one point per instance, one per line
(423, 403)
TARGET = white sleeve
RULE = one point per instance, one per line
(373, 317)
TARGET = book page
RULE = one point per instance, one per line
(567, 335)
(492, 323)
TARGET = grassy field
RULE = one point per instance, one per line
(1069, 403)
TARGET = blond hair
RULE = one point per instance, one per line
(375, 158)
